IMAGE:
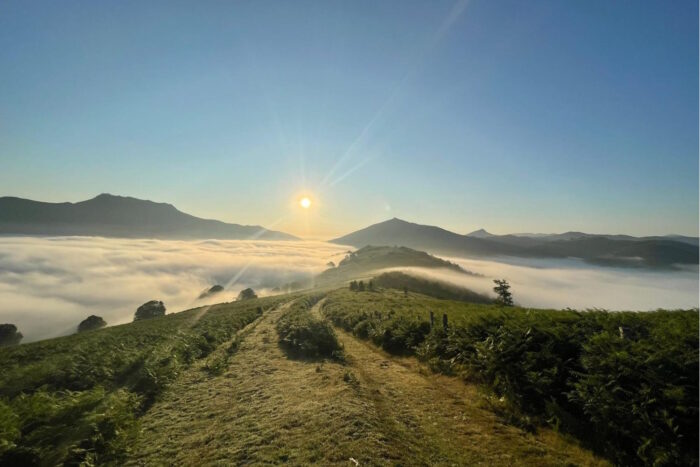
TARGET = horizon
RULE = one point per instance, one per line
(537, 117)
(328, 239)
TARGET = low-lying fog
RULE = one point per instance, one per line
(48, 285)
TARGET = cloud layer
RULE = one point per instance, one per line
(48, 285)
(575, 284)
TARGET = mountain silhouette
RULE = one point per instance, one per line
(119, 216)
(607, 250)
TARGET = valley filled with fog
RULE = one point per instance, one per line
(48, 285)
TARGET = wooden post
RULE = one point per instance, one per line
(432, 320)
(444, 322)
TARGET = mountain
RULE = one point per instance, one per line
(481, 233)
(369, 259)
(119, 216)
(613, 250)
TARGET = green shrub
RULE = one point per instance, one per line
(304, 336)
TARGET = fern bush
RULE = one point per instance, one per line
(625, 383)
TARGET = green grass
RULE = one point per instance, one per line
(76, 399)
(625, 383)
(196, 387)
(268, 409)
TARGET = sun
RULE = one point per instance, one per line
(305, 202)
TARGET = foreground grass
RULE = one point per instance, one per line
(268, 408)
(624, 383)
(76, 399)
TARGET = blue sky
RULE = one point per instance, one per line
(514, 116)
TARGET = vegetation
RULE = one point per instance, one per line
(247, 294)
(148, 310)
(625, 383)
(76, 399)
(92, 322)
(214, 289)
(303, 335)
(366, 261)
(9, 335)
(263, 408)
(502, 289)
(402, 281)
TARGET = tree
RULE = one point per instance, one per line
(361, 286)
(148, 310)
(91, 322)
(502, 289)
(9, 335)
(353, 286)
(330, 264)
(370, 286)
(247, 294)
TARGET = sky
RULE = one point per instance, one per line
(538, 116)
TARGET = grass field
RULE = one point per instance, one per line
(270, 381)
(77, 398)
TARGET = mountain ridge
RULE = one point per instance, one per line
(612, 250)
(110, 215)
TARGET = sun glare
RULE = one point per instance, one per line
(305, 202)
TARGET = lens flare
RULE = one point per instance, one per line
(305, 202)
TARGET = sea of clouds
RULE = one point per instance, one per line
(48, 285)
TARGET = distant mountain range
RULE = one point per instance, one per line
(119, 216)
(481, 233)
(607, 250)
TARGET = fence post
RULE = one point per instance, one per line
(432, 320)
(444, 322)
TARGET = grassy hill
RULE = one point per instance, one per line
(370, 259)
(325, 376)
(402, 281)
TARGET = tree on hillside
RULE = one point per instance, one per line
(353, 286)
(502, 289)
(148, 310)
(330, 264)
(361, 286)
(247, 294)
(371, 285)
(9, 335)
(91, 322)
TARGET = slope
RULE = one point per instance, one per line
(378, 410)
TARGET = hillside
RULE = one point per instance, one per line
(118, 216)
(219, 384)
(212, 385)
(432, 288)
(614, 250)
(370, 259)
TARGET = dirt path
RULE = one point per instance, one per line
(265, 408)
(268, 409)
